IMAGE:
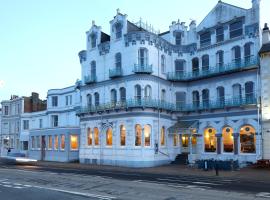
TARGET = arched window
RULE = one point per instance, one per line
(109, 137)
(89, 100)
(93, 38)
(123, 94)
(93, 68)
(147, 135)
(180, 100)
(175, 139)
(96, 136)
(179, 67)
(195, 66)
(195, 99)
(205, 98)
(178, 38)
(227, 139)
(138, 92)
(205, 63)
(122, 135)
(89, 137)
(96, 99)
(220, 96)
(162, 136)
(247, 50)
(118, 30)
(143, 57)
(163, 64)
(118, 61)
(249, 91)
(138, 135)
(236, 54)
(210, 141)
(247, 139)
(147, 92)
(220, 59)
(163, 95)
(237, 93)
(113, 96)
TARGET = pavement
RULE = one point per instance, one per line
(247, 173)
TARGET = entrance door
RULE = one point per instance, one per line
(185, 143)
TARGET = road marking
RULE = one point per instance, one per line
(78, 193)
(9, 186)
(263, 194)
(205, 183)
(18, 187)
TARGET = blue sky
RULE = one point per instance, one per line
(40, 40)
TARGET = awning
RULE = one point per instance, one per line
(184, 127)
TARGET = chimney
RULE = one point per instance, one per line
(265, 34)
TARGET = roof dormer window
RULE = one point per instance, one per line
(178, 39)
(118, 30)
(236, 29)
(93, 40)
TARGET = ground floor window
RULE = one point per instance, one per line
(89, 137)
(74, 142)
(38, 142)
(147, 135)
(122, 135)
(184, 141)
(210, 141)
(56, 142)
(175, 139)
(138, 135)
(50, 142)
(24, 145)
(96, 136)
(162, 136)
(109, 137)
(227, 138)
(63, 142)
(247, 139)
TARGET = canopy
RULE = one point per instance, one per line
(184, 126)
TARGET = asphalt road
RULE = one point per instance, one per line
(63, 183)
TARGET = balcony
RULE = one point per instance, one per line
(90, 79)
(142, 69)
(171, 107)
(236, 65)
(114, 73)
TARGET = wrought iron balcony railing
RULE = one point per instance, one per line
(143, 69)
(236, 65)
(90, 79)
(114, 73)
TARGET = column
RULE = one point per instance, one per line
(235, 139)
(219, 137)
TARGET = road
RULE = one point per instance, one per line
(40, 182)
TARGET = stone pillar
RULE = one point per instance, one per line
(235, 146)
(219, 138)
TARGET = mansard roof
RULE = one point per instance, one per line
(131, 27)
(265, 48)
(221, 13)
(104, 37)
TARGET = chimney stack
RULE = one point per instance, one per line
(265, 34)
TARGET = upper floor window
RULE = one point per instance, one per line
(6, 110)
(54, 120)
(147, 92)
(249, 90)
(205, 98)
(113, 96)
(236, 51)
(122, 94)
(179, 66)
(220, 58)
(220, 95)
(118, 30)
(236, 29)
(143, 57)
(205, 39)
(93, 39)
(178, 38)
(248, 50)
(68, 100)
(220, 34)
(54, 101)
(237, 92)
(93, 68)
(163, 95)
(195, 66)
(96, 99)
(40, 123)
(163, 64)
(196, 99)
(138, 92)
(118, 63)
(25, 124)
(205, 62)
(89, 99)
(180, 99)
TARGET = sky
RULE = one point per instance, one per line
(40, 40)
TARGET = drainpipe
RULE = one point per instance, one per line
(159, 101)
(259, 113)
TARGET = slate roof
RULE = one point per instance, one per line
(265, 48)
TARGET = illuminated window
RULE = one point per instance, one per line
(162, 136)
(122, 135)
(138, 135)
(109, 136)
(210, 142)
(247, 139)
(89, 137)
(96, 136)
(147, 135)
(74, 144)
(56, 142)
(50, 142)
(175, 139)
(62, 142)
(227, 138)
(184, 141)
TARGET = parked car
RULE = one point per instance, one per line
(16, 158)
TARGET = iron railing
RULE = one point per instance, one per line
(143, 69)
(90, 79)
(117, 72)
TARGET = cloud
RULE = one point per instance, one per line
(2, 83)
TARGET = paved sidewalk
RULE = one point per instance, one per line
(248, 173)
